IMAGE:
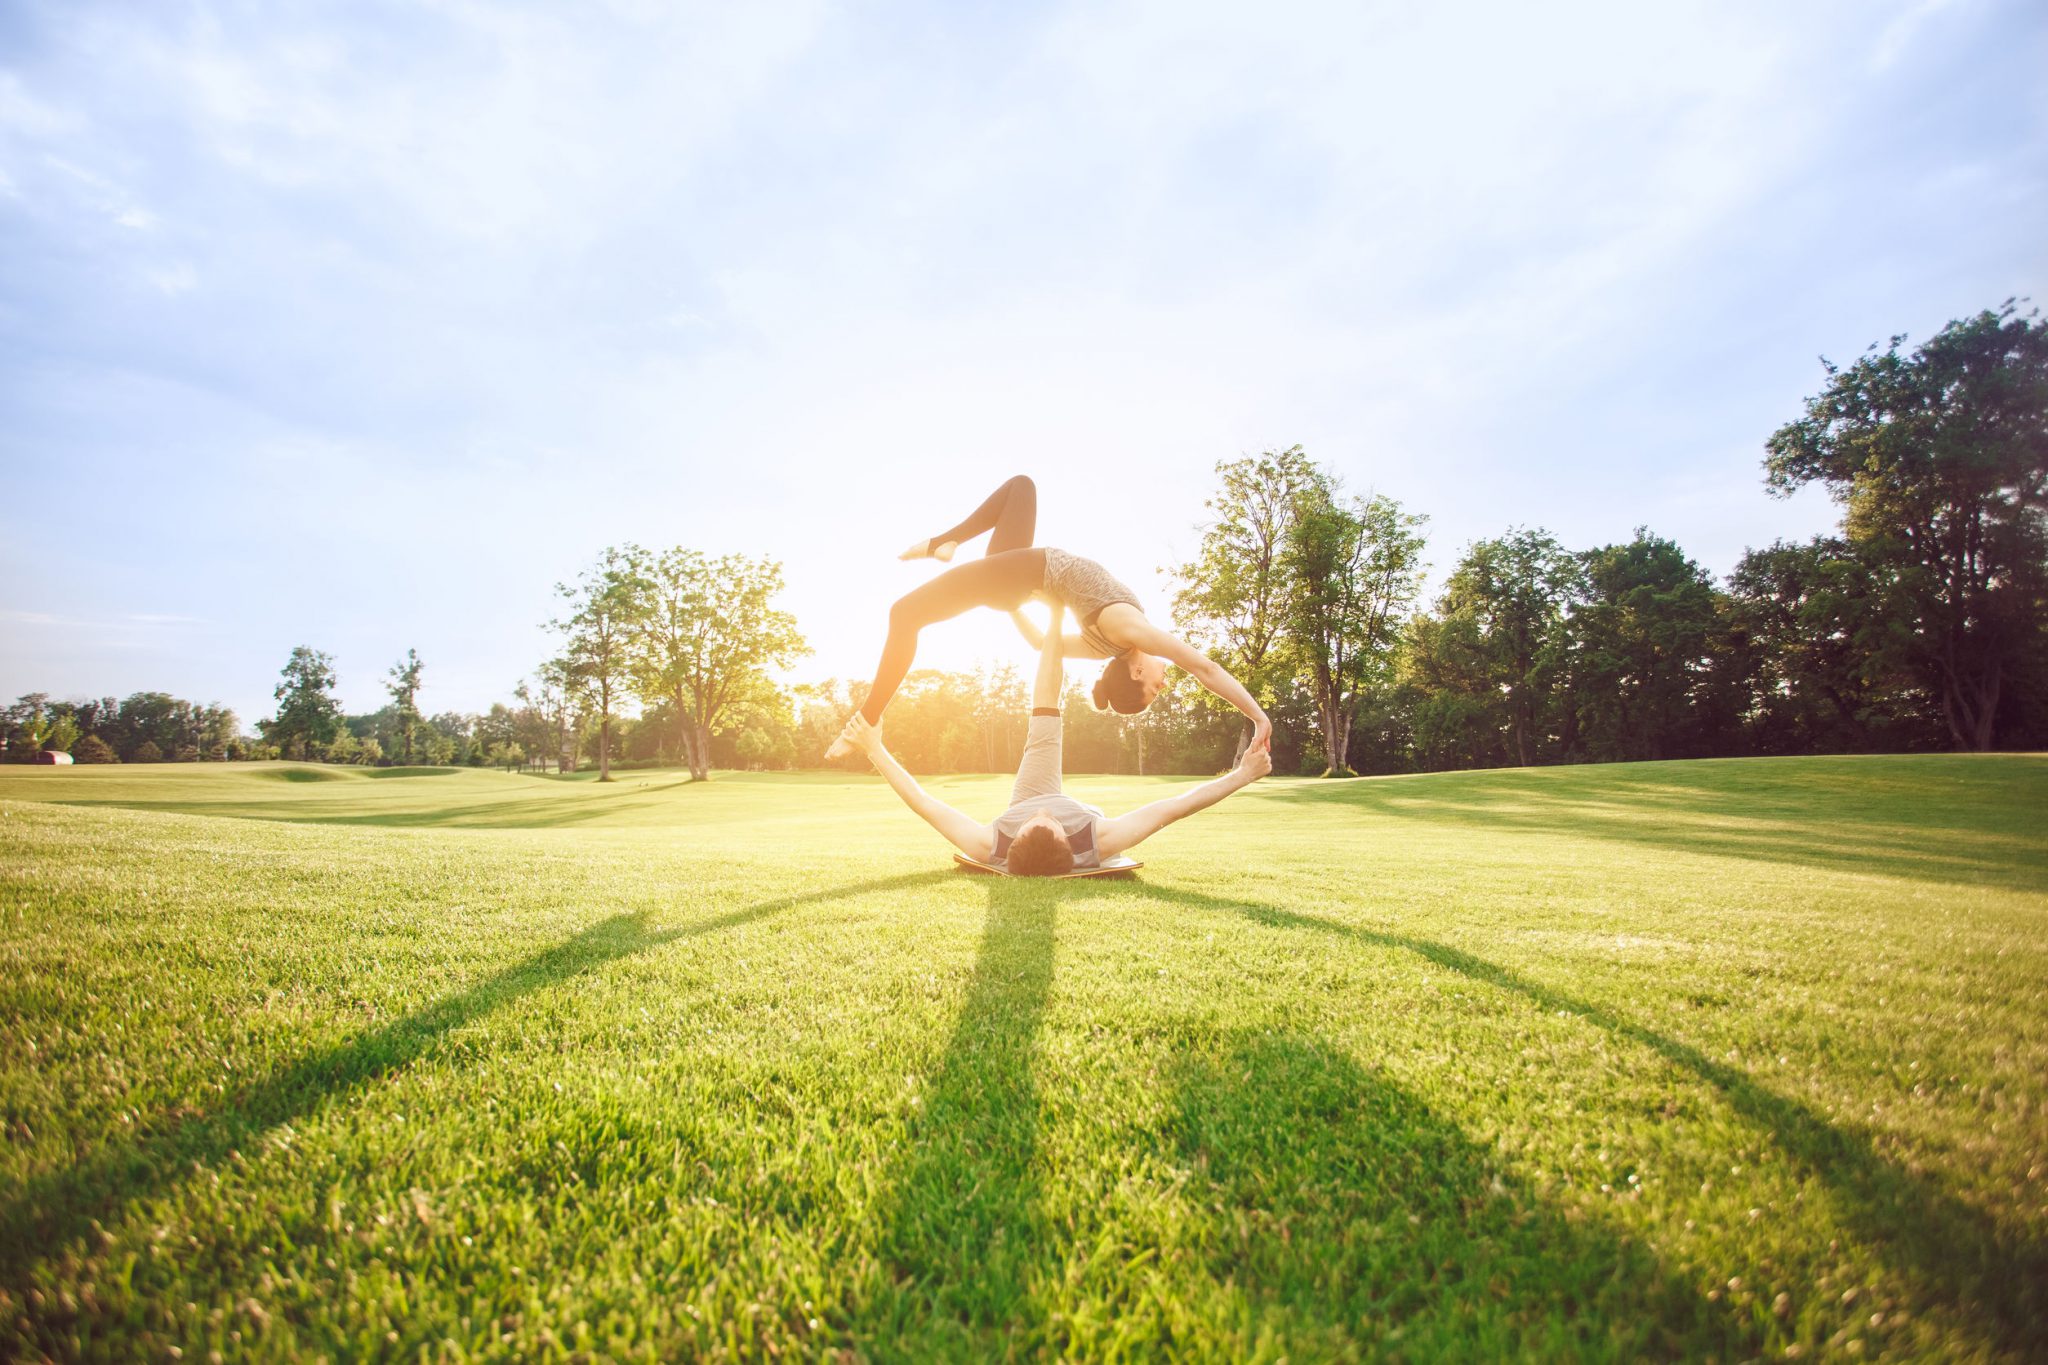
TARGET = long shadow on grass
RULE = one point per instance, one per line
(1924, 1232)
(1314, 1168)
(513, 812)
(1330, 1210)
(1935, 818)
(50, 1210)
(963, 1231)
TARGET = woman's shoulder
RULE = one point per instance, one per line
(1125, 625)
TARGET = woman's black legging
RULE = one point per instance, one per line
(1004, 578)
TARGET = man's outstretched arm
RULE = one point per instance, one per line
(1127, 831)
(977, 841)
(1052, 675)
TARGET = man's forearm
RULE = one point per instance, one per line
(1128, 831)
(970, 837)
(1214, 790)
(899, 779)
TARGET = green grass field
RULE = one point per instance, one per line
(1731, 1060)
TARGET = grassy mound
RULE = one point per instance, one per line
(1664, 1060)
(294, 772)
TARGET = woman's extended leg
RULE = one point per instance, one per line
(1004, 580)
(1010, 514)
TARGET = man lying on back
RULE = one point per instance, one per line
(1045, 832)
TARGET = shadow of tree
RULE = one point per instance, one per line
(1929, 1236)
(587, 803)
(1314, 1168)
(1927, 818)
(962, 1232)
(1337, 1211)
(48, 1211)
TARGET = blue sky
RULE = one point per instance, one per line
(361, 326)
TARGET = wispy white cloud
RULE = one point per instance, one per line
(22, 112)
(102, 195)
(1898, 34)
(173, 280)
(19, 617)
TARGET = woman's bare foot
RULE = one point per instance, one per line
(850, 737)
(924, 549)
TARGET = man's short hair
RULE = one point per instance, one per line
(1041, 851)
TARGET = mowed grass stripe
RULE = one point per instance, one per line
(1664, 1059)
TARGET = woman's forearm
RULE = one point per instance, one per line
(1219, 681)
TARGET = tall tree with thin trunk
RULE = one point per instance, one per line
(1234, 594)
(1354, 567)
(609, 606)
(308, 716)
(712, 631)
(1940, 459)
(404, 687)
(552, 697)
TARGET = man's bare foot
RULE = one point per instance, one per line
(925, 549)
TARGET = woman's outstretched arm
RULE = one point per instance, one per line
(1143, 635)
(977, 841)
(1127, 831)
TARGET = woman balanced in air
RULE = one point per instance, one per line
(1113, 626)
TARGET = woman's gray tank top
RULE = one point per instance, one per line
(1086, 587)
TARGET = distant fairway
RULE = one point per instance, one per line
(1657, 1060)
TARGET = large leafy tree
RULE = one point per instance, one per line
(1505, 603)
(711, 632)
(28, 726)
(1940, 458)
(1234, 594)
(404, 687)
(1814, 616)
(608, 607)
(1455, 712)
(307, 717)
(1641, 641)
(1353, 566)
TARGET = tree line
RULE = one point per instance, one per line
(147, 727)
(1920, 623)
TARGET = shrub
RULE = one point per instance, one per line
(93, 749)
(147, 752)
